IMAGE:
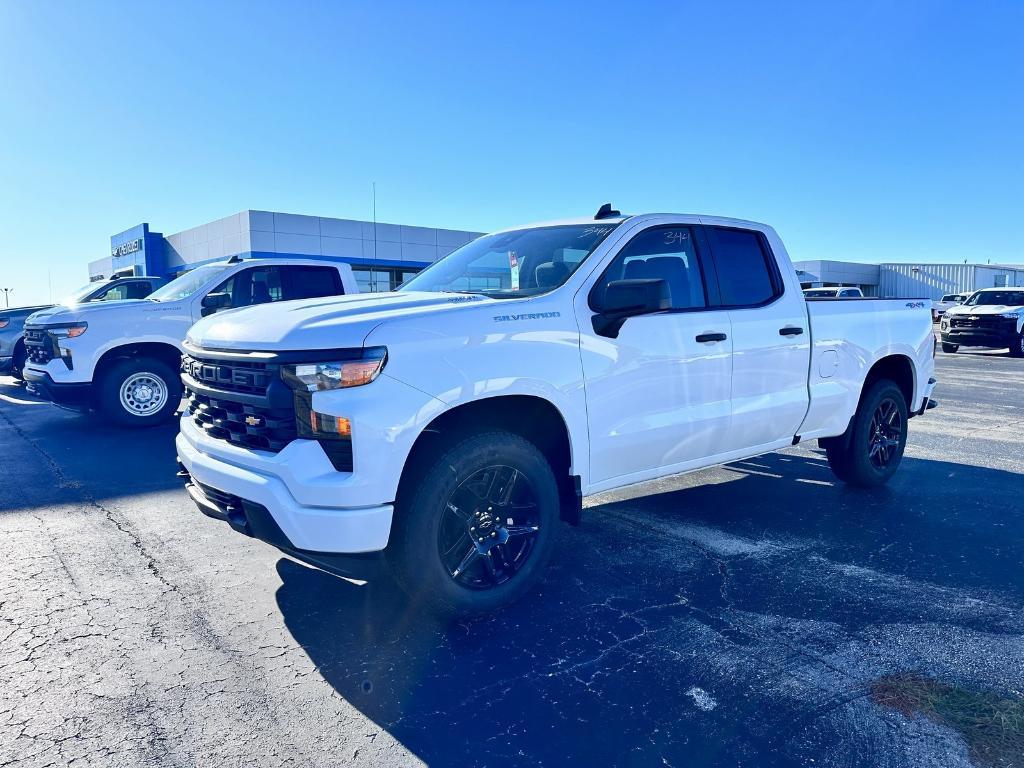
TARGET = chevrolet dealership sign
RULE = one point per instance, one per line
(125, 248)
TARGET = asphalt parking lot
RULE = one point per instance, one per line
(737, 616)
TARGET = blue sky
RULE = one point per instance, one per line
(866, 131)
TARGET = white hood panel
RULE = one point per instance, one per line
(324, 323)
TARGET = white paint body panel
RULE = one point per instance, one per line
(651, 403)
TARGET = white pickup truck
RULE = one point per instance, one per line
(991, 317)
(444, 429)
(124, 357)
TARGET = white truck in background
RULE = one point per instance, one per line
(837, 292)
(442, 430)
(123, 357)
(990, 317)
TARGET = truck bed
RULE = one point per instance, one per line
(846, 336)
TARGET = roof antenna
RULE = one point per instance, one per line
(606, 211)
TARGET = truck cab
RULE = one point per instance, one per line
(441, 431)
(122, 356)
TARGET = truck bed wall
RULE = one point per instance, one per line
(848, 337)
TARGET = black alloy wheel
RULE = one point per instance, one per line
(885, 434)
(474, 526)
(489, 527)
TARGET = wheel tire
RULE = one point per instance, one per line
(422, 518)
(950, 348)
(18, 362)
(123, 396)
(867, 457)
(1017, 350)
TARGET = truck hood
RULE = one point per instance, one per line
(984, 309)
(19, 311)
(323, 323)
(78, 312)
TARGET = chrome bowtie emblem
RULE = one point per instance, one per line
(253, 421)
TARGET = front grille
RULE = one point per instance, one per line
(38, 346)
(247, 403)
(982, 322)
(252, 426)
(235, 401)
(237, 376)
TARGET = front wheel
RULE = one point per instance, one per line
(1017, 347)
(478, 527)
(950, 348)
(139, 392)
(18, 362)
(873, 448)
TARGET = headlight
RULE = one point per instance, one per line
(364, 367)
(4, 322)
(71, 331)
(1011, 315)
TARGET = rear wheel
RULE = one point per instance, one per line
(950, 348)
(872, 450)
(139, 392)
(477, 529)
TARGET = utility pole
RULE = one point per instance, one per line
(7, 296)
(373, 279)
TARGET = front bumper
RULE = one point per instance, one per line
(77, 396)
(255, 520)
(314, 528)
(995, 338)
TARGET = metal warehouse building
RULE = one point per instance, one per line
(382, 255)
(916, 280)
(931, 281)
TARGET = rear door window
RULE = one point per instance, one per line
(303, 282)
(747, 274)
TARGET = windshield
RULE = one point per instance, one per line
(513, 264)
(1012, 298)
(184, 286)
(819, 293)
(77, 296)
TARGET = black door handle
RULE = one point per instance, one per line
(790, 330)
(712, 337)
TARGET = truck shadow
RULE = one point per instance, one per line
(695, 626)
(52, 455)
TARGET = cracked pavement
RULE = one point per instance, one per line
(734, 617)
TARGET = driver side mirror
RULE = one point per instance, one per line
(214, 301)
(623, 299)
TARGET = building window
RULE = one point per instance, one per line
(377, 279)
(999, 281)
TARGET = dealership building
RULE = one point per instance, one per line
(382, 255)
(910, 280)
